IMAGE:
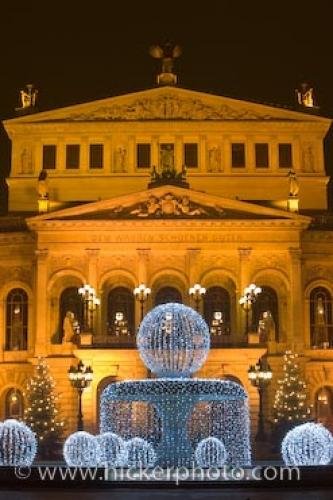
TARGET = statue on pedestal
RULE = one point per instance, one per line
(293, 184)
(68, 327)
(43, 188)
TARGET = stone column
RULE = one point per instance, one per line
(202, 154)
(130, 167)
(243, 281)
(295, 332)
(92, 255)
(154, 152)
(179, 157)
(143, 277)
(192, 272)
(42, 334)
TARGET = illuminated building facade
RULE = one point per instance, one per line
(168, 188)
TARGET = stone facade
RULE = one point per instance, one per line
(105, 228)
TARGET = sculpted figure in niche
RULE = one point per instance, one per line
(293, 184)
(167, 158)
(214, 159)
(43, 188)
(266, 327)
(26, 161)
(308, 158)
(120, 158)
(68, 327)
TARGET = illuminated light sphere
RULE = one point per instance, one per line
(307, 444)
(113, 450)
(81, 449)
(140, 453)
(18, 444)
(173, 340)
(210, 452)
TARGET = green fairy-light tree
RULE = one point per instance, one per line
(290, 405)
(41, 413)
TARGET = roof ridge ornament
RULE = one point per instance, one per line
(167, 52)
(28, 98)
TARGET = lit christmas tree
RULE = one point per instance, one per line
(290, 406)
(41, 413)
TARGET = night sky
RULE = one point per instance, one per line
(80, 51)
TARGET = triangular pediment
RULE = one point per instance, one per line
(168, 202)
(167, 103)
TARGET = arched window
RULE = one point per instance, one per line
(168, 294)
(217, 310)
(324, 406)
(70, 301)
(14, 404)
(17, 320)
(121, 300)
(321, 317)
(265, 315)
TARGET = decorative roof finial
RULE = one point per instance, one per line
(305, 96)
(167, 53)
(28, 98)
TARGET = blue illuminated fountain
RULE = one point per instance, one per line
(175, 412)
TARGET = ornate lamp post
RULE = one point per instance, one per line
(141, 293)
(196, 292)
(260, 376)
(247, 300)
(90, 303)
(80, 377)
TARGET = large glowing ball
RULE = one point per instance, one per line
(307, 444)
(173, 340)
(210, 452)
(140, 453)
(18, 444)
(81, 449)
(113, 450)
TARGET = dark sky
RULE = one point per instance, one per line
(77, 51)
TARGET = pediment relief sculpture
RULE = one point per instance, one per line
(168, 107)
(167, 206)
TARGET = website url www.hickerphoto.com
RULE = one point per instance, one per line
(176, 475)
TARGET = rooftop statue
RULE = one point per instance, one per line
(167, 53)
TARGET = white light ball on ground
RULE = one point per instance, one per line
(210, 452)
(173, 340)
(140, 453)
(113, 450)
(18, 444)
(81, 449)
(307, 444)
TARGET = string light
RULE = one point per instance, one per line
(140, 453)
(81, 449)
(307, 444)
(113, 450)
(210, 452)
(168, 412)
(173, 340)
(18, 444)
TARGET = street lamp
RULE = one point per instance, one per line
(247, 300)
(80, 377)
(196, 292)
(141, 293)
(260, 376)
(90, 303)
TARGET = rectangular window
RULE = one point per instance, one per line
(143, 155)
(96, 152)
(49, 156)
(72, 156)
(191, 155)
(238, 155)
(261, 154)
(285, 155)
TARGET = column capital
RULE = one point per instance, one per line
(295, 253)
(143, 253)
(92, 252)
(244, 253)
(42, 254)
